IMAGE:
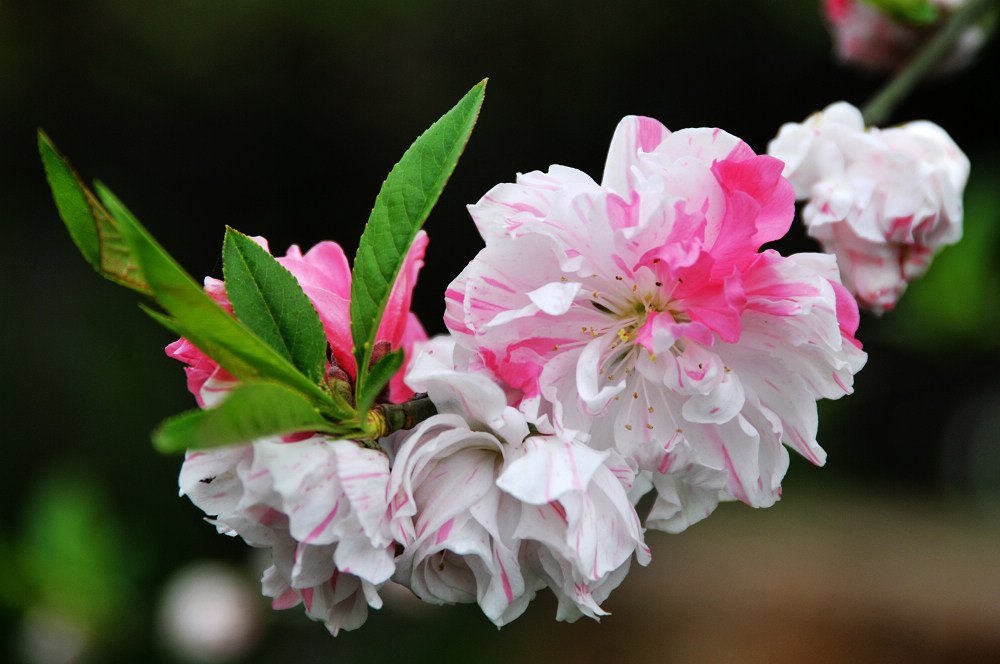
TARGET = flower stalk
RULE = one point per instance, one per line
(386, 418)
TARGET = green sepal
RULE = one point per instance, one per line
(250, 411)
(269, 300)
(403, 204)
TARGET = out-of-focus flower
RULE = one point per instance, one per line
(882, 200)
(640, 313)
(491, 514)
(870, 37)
(325, 276)
(209, 613)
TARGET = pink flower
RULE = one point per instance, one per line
(319, 506)
(869, 37)
(325, 276)
(490, 514)
(639, 312)
(883, 201)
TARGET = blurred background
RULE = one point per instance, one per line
(281, 119)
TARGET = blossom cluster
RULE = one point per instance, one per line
(612, 339)
(882, 200)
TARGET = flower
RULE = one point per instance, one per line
(884, 201)
(317, 503)
(325, 276)
(869, 37)
(488, 513)
(639, 314)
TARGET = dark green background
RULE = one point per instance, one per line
(281, 119)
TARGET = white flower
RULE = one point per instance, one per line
(490, 514)
(318, 504)
(883, 201)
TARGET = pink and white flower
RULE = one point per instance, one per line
(640, 312)
(318, 505)
(488, 513)
(868, 37)
(884, 201)
(325, 275)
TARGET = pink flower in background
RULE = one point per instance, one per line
(318, 505)
(884, 201)
(325, 276)
(867, 36)
(639, 312)
(489, 513)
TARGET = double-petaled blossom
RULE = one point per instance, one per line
(882, 200)
(491, 513)
(870, 37)
(639, 314)
(319, 504)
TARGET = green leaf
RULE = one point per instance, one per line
(378, 377)
(403, 204)
(249, 412)
(269, 301)
(198, 318)
(95, 232)
(921, 12)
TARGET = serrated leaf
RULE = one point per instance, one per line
(378, 377)
(403, 204)
(249, 412)
(198, 318)
(269, 300)
(95, 232)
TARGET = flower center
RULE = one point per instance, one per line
(624, 311)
